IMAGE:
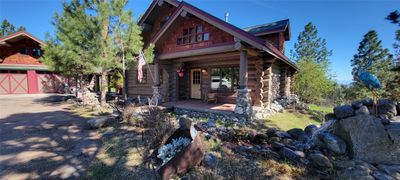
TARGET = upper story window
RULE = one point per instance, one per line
(36, 52)
(193, 35)
(23, 50)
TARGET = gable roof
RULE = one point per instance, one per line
(20, 34)
(152, 6)
(269, 28)
(233, 30)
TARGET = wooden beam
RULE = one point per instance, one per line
(243, 70)
(197, 52)
(183, 13)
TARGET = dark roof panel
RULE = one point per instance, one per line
(262, 29)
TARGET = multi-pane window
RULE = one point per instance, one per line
(224, 79)
(193, 35)
(196, 77)
(36, 52)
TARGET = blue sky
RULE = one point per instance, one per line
(342, 23)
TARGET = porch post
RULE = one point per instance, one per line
(243, 71)
(157, 97)
(243, 98)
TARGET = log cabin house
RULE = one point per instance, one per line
(21, 72)
(197, 54)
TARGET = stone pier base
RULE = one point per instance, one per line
(243, 102)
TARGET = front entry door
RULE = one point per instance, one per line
(195, 83)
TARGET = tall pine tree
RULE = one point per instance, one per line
(310, 47)
(311, 54)
(370, 48)
(7, 28)
(71, 51)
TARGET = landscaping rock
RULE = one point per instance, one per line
(310, 129)
(395, 119)
(387, 107)
(295, 132)
(283, 134)
(368, 140)
(100, 122)
(379, 175)
(385, 121)
(319, 160)
(333, 143)
(185, 123)
(357, 172)
(289, 154)
(330, 116)
(277, 146)
(271, 132)
(367, 102)
(343, 111)
(357, 104)
(210, 160)
(391, 170)
(362, 111)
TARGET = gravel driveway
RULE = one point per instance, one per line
(40, 138)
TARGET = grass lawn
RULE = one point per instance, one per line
(290, 119)
(324, 109)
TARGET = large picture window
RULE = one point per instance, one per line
(224, 79)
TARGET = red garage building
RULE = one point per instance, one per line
(21, 72)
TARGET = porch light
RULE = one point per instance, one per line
(204, 70)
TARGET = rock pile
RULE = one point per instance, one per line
(279, 105)
(354, 142)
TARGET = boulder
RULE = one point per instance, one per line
(295, 132)
(356, 172)
(357, 104)
(277, 146)
(100, 122)
(368, 140)
(289, 154)
(379, 175)
(395, 119)
(367, 102)
(210, 160)
(343, 111)
(391, 170)
(330, 116)
(333, 143)
(362, 110)
(387, 107)
(310, 129)
(283, 134)
(319, 160)
(185, 123)
(271, 132)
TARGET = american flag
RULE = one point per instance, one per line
(141, 63)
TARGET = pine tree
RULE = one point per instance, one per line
(71, 51)
(310, 47)
(313, 81)
(370, 48)
(6, 28)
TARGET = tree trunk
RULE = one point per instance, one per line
(124, 85)
(103, 89)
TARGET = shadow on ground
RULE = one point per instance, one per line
(44, 145)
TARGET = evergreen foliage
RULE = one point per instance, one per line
(6, 28)
(313, 82)
(370, 48)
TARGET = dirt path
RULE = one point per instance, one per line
(40, 138)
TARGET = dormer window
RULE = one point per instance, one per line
(193, 35)
(36, 52)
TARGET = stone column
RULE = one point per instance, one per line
(243, 98)
(157, 96)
